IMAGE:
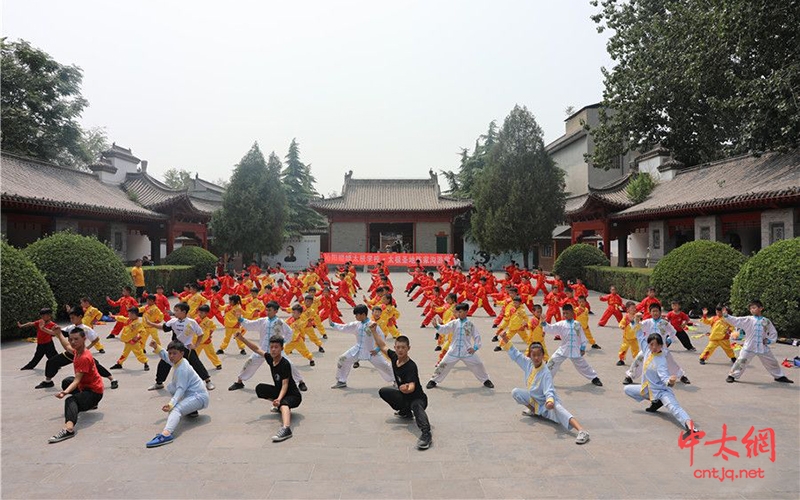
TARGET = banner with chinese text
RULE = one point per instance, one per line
(390, 259)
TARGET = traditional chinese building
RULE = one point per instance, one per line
(407, 214)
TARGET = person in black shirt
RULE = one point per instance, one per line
(407, 399)
(284, 393)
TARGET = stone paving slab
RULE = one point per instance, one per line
(347, 443)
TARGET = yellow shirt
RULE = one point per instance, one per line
(194, 302)
(138, 276)
(132, 329)
(90, 315)
(152, 314)
(232, 315)
(253, 308)
(208, 327)
(719, 327)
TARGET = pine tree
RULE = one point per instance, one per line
(298, 184)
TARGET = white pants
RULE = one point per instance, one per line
(473, 362)
(255, 361)
(666, 397)
(580, 364)
(345, 363)
(558, 414)
(635, 371)
(184, 407)
(767, 359)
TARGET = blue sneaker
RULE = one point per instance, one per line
(159, 440)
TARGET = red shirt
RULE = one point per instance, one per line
(43, 337)
(677, 319)
(91, 378)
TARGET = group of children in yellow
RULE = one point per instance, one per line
(251, 301)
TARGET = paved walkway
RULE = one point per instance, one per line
(347, 443)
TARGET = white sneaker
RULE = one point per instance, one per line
(275, 409)
(527, 412)
(582, 438)
(210, 386)
(155, 387)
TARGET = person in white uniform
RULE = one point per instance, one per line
(656, 324)
(363, 350)
(759, 333)
(464, 346)
(573, 346)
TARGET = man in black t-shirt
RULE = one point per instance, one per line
(407, 399)
(283, 392)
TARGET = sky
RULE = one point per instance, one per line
(386, 89)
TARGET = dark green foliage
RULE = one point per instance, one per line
(170, 277)
(462, 183)
(253, 211)
(199, 258)
(177, 178)
(631, 282)
(571, 263)
(706, 80)
(698, 274)
(298, 184)
(773, 277)
(76, 266)
(640, 187)
(24, 291)
(519, 194)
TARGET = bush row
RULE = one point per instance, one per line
(631, 282)
(201, 259)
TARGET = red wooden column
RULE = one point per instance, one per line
(607, 238)
(170, 237)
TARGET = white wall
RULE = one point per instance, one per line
(138, 246)
(637, 248)
(348, 237)
(425, 237)
(570, 160)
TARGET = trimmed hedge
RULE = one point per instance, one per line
(631, 282)
(76, 266)
(24, 291)
(773, 277)
(202, 260)
(171, 277)
(571, 262)
(698, 274)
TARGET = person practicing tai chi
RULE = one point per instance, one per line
(267, 327)
(45, 331)
(573, 346)
(283, 392)
(464, 346)
(657, 382)
(407, 399)
(83, 391)
(656, 323)
(539, 397)
(363, 350)
(759, 332)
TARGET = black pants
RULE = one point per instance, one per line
(684, 338)
(139, 292)
(65, 359)
(401, 403)
(267, 391)
(191, 356)
(42, 350)
(78, 401)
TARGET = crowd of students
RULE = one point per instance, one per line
(249, 302)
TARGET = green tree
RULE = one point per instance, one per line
(298, 183)
(41, 103)
(519, 196)
(704, 79)
(462, 183)
(253, 211)
(177, 178)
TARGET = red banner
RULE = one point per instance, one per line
(390, 259)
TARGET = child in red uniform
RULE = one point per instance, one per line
(647, 302)
(124, 303)
(679, 321)
(45, 330)
(614, 307)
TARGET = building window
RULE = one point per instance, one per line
(656, 239)
(705, 233)
(776, 232)
(118, 241)
(547, 250)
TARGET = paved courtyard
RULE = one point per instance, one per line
(348, 444)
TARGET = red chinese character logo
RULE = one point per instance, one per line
(763, 442)
(691, 439)
(723, 450)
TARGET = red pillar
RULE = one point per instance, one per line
(170, 238)
(606, 238)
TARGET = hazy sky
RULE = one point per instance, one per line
(387, 89)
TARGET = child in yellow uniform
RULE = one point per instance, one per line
(131, 335)
(195, 299)
(92, 316)
(516, 322)
(150, 312)
(582, 316)
(536, 333)
(629, 340)
(299, 329)
(448, 313)
(204, 344)
(718, 337)
(392, 316)
(253, 307)
(311, 319)
(233, 312)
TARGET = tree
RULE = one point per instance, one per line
(298, 183)
(41, 102)
(177, 178)
(705, 80)
(462, 182)
(519, 196)
(253, 211)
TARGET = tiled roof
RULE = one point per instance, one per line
(156, 195)
(29, 181)
(390, 195)
(613, 195)
(769, 178)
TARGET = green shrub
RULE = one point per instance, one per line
(171, 277)
(773, 277)
(698, 274)
(631, 282)
(640, 187)
(24, 291)
(202, 260)
(571, 262)
(76, 266)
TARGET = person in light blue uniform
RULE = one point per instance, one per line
(573, 346)
(463, 347)
(759, 333)
(363, 350)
